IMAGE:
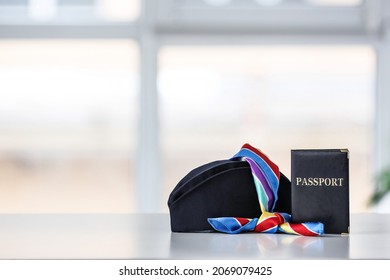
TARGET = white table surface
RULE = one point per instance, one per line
(148, 236)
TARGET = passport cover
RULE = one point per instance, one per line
(320, 188)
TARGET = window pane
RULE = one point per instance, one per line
(335, 2)
(278, 98)
(67, 117)
(75, 11)
(118, 10)
(240, 4)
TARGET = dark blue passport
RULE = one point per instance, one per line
(320, 188)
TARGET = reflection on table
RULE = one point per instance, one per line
(148, 236)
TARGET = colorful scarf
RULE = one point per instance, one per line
(266, 177)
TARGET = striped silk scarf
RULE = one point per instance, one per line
(266, 177)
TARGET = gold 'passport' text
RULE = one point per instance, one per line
(318, 182)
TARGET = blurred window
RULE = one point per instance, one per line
(214, 99)
(72, 11)
(239, 4)
(335, 2)
(69, 107)
(67, 125)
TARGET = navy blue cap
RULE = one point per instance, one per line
(223, 188)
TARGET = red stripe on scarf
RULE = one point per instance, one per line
(242, 221)
(301, 229)
(273, 166)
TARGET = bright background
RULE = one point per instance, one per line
(106, 105)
